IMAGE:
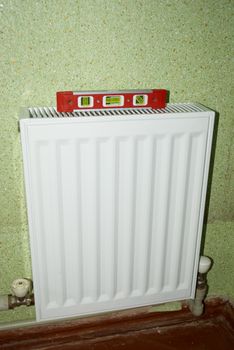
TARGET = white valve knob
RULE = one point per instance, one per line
(20, 287)
(204, 264)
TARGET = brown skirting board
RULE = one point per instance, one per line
(132, 329)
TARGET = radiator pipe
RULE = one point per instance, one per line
(4, 302)
(21, 295)
(196, 305)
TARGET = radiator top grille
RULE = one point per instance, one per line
(51, 112)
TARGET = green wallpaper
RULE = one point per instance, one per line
(184, 46)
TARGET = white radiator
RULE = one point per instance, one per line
(115, 206)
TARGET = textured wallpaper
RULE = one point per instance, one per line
(184, 46)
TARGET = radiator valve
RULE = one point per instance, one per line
(197, 305)
(21, 287)
(21, 293)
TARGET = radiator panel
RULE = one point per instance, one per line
(114, 210)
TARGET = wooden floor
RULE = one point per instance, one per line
(135, 329)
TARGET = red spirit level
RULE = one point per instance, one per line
(69, 101)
